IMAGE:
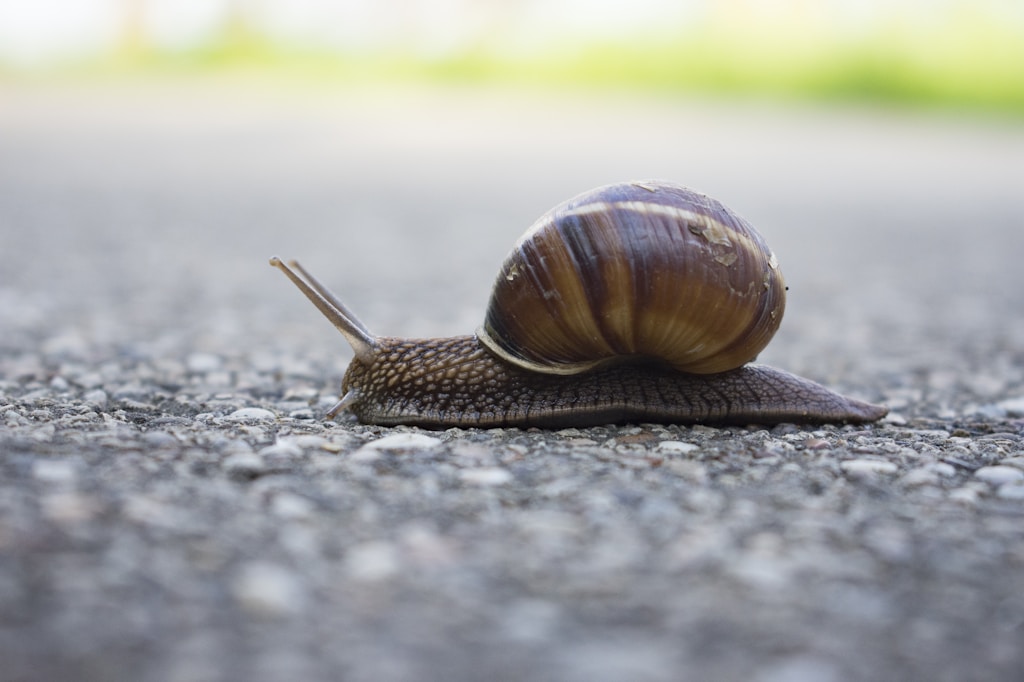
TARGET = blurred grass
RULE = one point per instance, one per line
(960, 61)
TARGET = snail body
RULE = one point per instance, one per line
(636, 302)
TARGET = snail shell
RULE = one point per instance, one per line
(647, 270)
(636, 302)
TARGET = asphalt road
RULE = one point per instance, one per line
(174, 507)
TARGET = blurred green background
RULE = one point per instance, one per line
(962, 54)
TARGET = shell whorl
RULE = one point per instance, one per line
(645, 270)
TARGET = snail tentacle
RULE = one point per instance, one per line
(347, 401)
(362, 341)
(319, 288)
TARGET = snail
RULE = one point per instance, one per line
(633, 302)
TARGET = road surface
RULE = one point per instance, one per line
(174, 507)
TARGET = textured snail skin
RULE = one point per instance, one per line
(456, 382)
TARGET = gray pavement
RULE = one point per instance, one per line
(174, 507)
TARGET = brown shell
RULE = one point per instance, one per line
(636, 270)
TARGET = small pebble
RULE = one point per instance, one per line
(895, 418)
(131, 392)
(90, 380)
(13, 419)
(396, 442)
(372, 561)
(688, 470)
(998, 475)
(159, 439)
(365, 455)
(1014, 407)
(676, 447)
(246, 414)
(284, 447)
(97, 397)
(268, 589)
(920, 477)
(243, 465)
(485, 476)
(518, 448)
(403, 442)
(303, 393)
(867, 467)
(1015, 461)
(932, 434)
(425, 547)
(291, 506)
(472, 453)
(69, 507)
(1011, 491)
(54, 470)
(307, 441)
(990, 411)
(151, 512)
(202, 362)
(966, 496)
(942, 469)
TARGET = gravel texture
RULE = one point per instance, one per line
(173, 506)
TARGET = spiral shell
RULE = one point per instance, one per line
(636, 271)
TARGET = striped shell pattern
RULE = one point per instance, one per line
(643, 271)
